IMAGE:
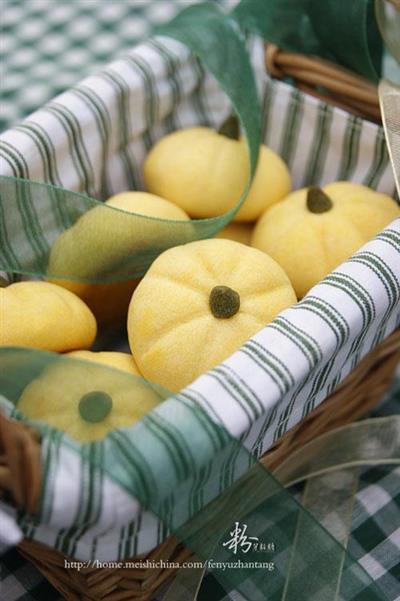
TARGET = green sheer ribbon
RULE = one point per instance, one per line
(388, 19)
(341, 31)
(112, 245)
(389, 99)
(373, 441)
(329, 465)
(208, 489)
(208, 481)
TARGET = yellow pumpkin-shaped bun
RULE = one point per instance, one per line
(88, 400)
(239, 232)
(122, 361)
(313, 230)
(198, 303)
(44, 316)
(100, 240)
(205, 173)
(108, 302)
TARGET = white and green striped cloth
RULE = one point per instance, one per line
(93, 139)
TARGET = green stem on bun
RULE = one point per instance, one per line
(318, 201)
(230, 128)
(224, 302)
(95, 406)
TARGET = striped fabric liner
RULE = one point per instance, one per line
(93, 139)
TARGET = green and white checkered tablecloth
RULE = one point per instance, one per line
(49, 45)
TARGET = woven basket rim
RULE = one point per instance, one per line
(325, 80)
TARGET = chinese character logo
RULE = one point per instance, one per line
(239, 539)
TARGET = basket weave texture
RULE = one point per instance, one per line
(326, 81)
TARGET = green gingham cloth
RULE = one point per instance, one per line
(49, 45)
(287, 369)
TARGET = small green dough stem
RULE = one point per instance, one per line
(318, 201)
(224, 302)
(230, 128)
(95, 406)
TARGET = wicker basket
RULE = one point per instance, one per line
(20, 480)
(20, 471)
(326, 81)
